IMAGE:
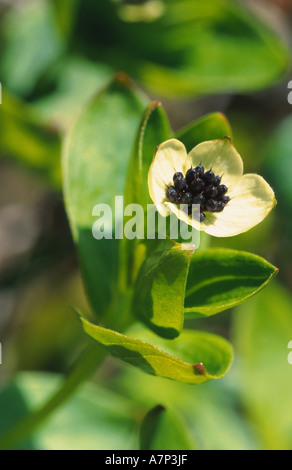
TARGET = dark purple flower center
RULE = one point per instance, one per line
(198, 187)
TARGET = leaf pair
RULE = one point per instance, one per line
(166, 282)
(217, 279)
(194, 357)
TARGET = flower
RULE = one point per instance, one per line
(231, 202)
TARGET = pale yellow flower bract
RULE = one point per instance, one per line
(251, 198)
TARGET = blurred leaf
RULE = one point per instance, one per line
(76, 81)
(160, 289)
(94, 418)
(212, 414)
(95, 163)
(65, 13)
(219, 279)
(207, 47)
(211, 46)
(209, 127)
(28, 28)
(24, 137)
(262, 333)
(45, 313)
(201, 356)
(278, 163)
(162, 430)
(13, 407)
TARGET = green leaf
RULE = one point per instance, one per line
(28, 140)
(77, 80)
(211, 46)
(154, 129)
(28, 28)
(95, 162)
(94, 419)
(160, 288)
(279, 169)
(162, 430)
(219, 279)
(65, 13)
(200, 356)
(208, 47)
(263, 335)
(212, 414)
(209, 127)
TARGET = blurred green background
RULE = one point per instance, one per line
(196, 57)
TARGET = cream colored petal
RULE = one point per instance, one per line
(251, 201)
(171, 156)
(220, 156)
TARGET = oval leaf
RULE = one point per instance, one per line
(154, 129)
(210, 127)
(95, 162)
(219, 279)
(162, 430)
(29, 28)
(160, 288)
(201, 356)
(263, 332)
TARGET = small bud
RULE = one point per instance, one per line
(191, 175)
(200, 171)
(210, 205)
(197, 186)
(217, 181)
(208, 177)
(210, 191)
(181, 184)
(199, 199)
(187, 198)
(220, 206)
(172, 195)
(222, 190)
(177, 175)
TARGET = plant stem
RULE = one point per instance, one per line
(85, 367)
(117, 316)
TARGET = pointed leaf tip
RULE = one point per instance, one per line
(199, 369)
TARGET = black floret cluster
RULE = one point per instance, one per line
(198, 187)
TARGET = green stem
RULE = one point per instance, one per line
(117, 317)
(85, 367)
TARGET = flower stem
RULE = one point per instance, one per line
(85, 367)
